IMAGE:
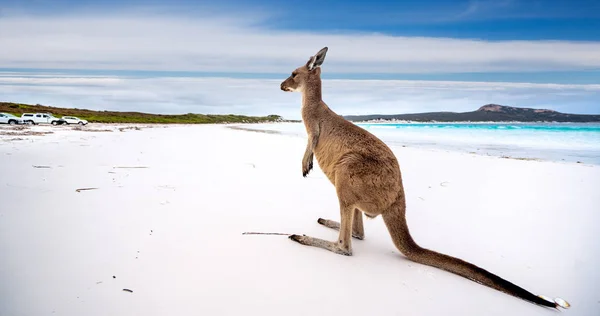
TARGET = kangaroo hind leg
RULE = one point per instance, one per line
(358, 230)
(343, 245)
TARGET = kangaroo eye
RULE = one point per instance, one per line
(294, 75)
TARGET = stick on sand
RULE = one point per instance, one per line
(257, 233)
(86, 189)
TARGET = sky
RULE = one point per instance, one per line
(387, 57)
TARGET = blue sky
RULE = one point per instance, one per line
(505, 41)
(566, 24)
(484, 19)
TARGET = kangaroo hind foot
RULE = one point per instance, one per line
(321, 243)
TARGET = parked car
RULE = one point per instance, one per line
(7, 118)
(74, 120)
(41, 118)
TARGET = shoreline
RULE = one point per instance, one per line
(25, 132)
(473, 149)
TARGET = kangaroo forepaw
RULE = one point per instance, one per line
(336, 225)
(306, 169)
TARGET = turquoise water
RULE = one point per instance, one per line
(568, 142)
(555, 127)
(547, 141)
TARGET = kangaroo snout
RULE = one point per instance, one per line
(286, 88)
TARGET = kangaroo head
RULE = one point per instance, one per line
(306, 74)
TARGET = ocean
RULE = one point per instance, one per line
(568, 142)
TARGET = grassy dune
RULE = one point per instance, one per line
(134, 117)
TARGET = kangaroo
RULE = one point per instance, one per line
(367, 179)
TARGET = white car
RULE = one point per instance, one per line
(41, 118)
(7, 118)
(74, 120)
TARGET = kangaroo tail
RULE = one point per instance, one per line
(395, 220)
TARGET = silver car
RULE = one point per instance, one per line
(74, 120)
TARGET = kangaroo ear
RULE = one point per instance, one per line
(317, 60)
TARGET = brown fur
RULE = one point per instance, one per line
(367, 179)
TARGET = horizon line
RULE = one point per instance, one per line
(344, 115)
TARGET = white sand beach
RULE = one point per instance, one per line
(167, 207)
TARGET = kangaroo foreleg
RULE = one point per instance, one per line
(307, 160)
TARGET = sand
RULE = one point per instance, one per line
(166, 209)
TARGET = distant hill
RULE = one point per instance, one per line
(486, 113)
(134, 117)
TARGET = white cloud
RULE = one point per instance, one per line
(262, 96)
(146, 41)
